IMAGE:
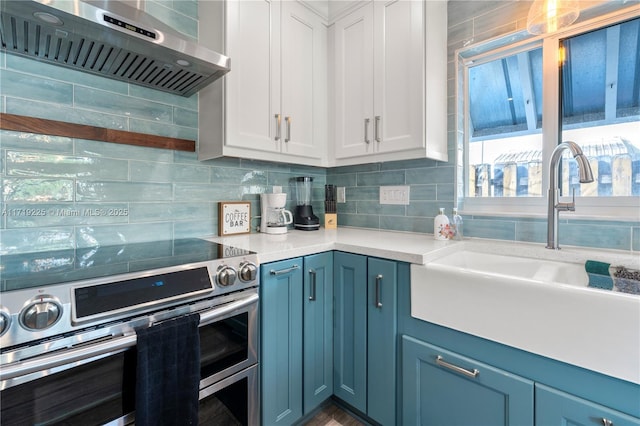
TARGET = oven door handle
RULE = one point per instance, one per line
(118, 344)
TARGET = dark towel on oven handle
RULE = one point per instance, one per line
(168, 373)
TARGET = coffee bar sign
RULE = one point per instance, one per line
(234, 217)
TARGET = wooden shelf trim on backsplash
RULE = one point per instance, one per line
(21, 123)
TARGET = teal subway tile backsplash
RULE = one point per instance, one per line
(34, 87)
(127, 152)
(64, 214)
(100, 100)
(496, 229)
(159, 212)
(148, 171)
(92, 192)
(36, 190)
(602, 235)
(34, 142)
(395, 177)
(40, 69)
(185, 117)
(25, 240)
(45, 165)
(407, 224)
(177, 18)
(109, 235)
(122, 191)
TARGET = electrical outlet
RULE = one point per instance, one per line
(342, 196)
(394, 195)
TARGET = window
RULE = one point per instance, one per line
(522, 100)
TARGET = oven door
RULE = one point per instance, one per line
(231, 401)
(95, 384)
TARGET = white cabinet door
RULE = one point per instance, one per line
(304, 81)
(253, 85)
(398, 75)
(354, 83)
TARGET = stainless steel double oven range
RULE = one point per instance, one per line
(68, 321)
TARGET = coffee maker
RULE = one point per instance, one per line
(304, 219)
(274, 217)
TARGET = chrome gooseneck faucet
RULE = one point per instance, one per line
(554, 207)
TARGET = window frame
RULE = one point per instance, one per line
(608, 208)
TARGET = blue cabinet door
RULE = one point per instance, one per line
(382, 310)
(442, 388)
(556, 408)
(318, 330)
(281, 341)
(350, 329)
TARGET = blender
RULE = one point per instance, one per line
(304, 219)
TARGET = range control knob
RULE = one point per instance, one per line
(247, 272)
(5, 320)
(40, 313)
(226, 275)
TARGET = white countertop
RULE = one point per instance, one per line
(406, 247)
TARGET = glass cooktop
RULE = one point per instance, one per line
(26, 270)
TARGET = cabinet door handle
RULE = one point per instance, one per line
(469, 373)
(378, 291)
(377, 129)
(366, 130)
(277, 127)
(606, 422)
(312, 284)
(287, 120)
(283, 271)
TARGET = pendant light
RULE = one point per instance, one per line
(547, 16)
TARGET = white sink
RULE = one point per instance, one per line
(540, 306)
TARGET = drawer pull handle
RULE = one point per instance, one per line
(277, 138)
(283, 271)
(378, 291)
(469, 373)
(366, 130)
(287, 120)
(606, 422)
(312, 284)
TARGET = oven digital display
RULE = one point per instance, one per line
(93, 300)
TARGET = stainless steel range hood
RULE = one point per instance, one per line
(113, 39)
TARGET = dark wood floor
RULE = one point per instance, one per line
(332, 415)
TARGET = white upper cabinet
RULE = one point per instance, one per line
(353, 50)
(304, 82)
(379, 74)
(275, 97)
(253, 85)
(390, 82)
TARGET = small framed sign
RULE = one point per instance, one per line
(234, 217)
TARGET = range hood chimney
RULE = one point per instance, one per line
(109, 38)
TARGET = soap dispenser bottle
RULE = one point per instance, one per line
(456, 225)
(441, 229)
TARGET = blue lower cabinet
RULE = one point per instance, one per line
(281, 341)
(365, 317)
(444, 388)
(382, 314)
(556, 408)
(350, 329)
(318, 330)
